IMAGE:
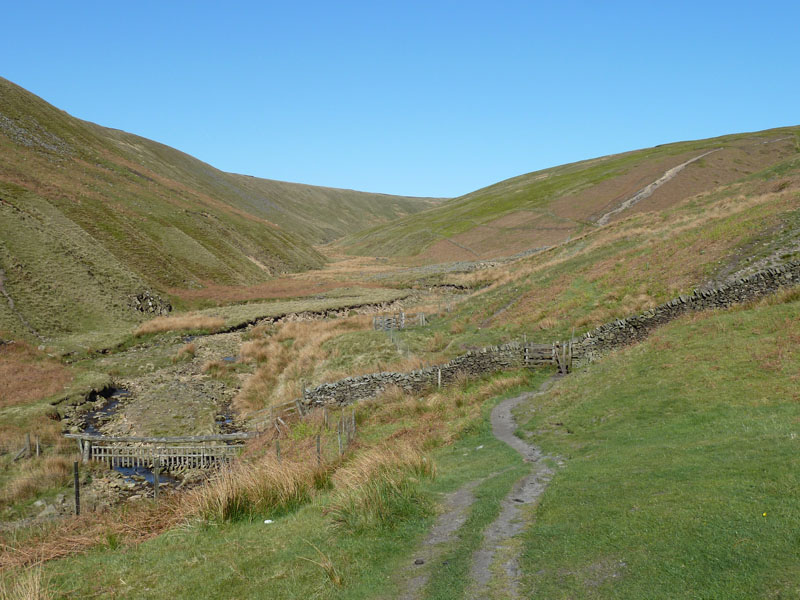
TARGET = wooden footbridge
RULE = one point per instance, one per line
(170, 453)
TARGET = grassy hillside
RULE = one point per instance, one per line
(322, 214)
(677, 453)
(92, 216)
(635, 263)
(547, 207)
(680, 478)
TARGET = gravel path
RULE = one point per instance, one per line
(510, 522)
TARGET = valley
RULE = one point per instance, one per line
(146, 294)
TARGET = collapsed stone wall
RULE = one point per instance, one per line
(634, 329)
(598, 341)
(473, 363)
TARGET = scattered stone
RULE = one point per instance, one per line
(419, 561)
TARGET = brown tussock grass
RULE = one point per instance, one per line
(179, 323)
(41, 474)
(383, 458)
(27, 374)
(217, 368)
(186, 352)
(249, 489)
(291, 354)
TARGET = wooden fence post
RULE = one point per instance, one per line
(77, 488)
(278, 450)
(156, 470)
(38, 447)
(325, 417)
(28, 445)
(319, 451)
(339, 434)
(439, 379)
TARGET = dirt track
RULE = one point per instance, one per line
(497, 536)
(511, 520)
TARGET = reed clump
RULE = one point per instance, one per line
(28, 584)
(45, 473)
(247, 491)
(381, 487)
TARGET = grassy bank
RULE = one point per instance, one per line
(681, 476)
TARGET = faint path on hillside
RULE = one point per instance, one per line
(463, 247)
(497, 538)
(648, 190)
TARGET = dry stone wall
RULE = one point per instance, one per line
(473, 363)
(634, 329)
(511, 356)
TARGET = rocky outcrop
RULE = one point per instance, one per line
(149, 303)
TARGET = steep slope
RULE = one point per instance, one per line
(323, 214)
(93, 217)
(547, 207)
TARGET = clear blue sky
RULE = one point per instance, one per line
(419, 98)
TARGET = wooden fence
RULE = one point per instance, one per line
(558, 354)
(171, 453)
(398, 321)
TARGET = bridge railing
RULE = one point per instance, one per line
(193, 452)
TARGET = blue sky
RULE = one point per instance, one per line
(418, 98)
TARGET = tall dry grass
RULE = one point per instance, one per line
(29, 584)
(180, 323)
(247, 490)
(185, 352)
(27, 374)
(380, 487)
(292, 353)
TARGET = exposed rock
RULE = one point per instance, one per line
(149, 303)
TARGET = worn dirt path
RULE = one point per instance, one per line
(510, 522)
(455, 511)
(648, 190)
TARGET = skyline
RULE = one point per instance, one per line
(412, 98)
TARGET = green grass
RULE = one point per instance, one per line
(681, 476)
